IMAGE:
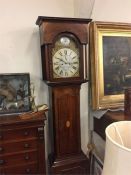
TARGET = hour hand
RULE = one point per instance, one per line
(61, 59)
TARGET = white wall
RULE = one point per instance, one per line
(19, 37)
(103, 10)
(83, 8)
(110, 10)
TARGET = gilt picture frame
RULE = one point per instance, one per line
(14, 93)
(110, 55)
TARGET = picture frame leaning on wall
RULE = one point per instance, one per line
(14, 93)
(110, 60)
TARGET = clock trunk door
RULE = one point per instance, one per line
(67, 120)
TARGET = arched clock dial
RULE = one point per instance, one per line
(65, 57)
(66, 63)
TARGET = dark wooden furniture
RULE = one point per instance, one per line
(67, 157)
(98, 133)
(64, 78)
(22, 148)
(99, 125)
(108, 118)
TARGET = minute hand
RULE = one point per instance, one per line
(61, 60)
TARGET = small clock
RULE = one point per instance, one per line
(65, 58)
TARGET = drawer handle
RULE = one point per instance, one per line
(2, 161)
(1, 149)
(41, 133)
(27, 157)
(26, 145)
(26, 133)
(28, 170)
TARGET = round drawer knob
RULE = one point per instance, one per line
(26, 133)
(1, 149)
(28, 170)
(27, 157)
(26, 145)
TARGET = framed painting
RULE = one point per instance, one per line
(14, 93)
(96, 165)
(110, 55)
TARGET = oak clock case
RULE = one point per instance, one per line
(63, 51)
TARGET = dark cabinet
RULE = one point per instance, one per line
(22, 148)
(108, 118)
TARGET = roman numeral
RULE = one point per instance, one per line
(57, 68)
(57, 58)
(56, 63)
(66, 73)
(75, 62)
(61, 72)
(74, 67)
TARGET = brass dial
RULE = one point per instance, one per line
(66, 63)
(65, 58)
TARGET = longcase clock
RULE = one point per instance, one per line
(64, 65)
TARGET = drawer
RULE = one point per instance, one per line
(18, 133)
(12, 147)
(17, 159)
(30, 168)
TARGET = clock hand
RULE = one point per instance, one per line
(65, 58)
(61, 60)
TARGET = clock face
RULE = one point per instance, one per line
(65, 61)
(65, 58)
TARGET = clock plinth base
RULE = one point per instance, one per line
(77, 164)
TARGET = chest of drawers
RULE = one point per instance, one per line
(22, 148)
